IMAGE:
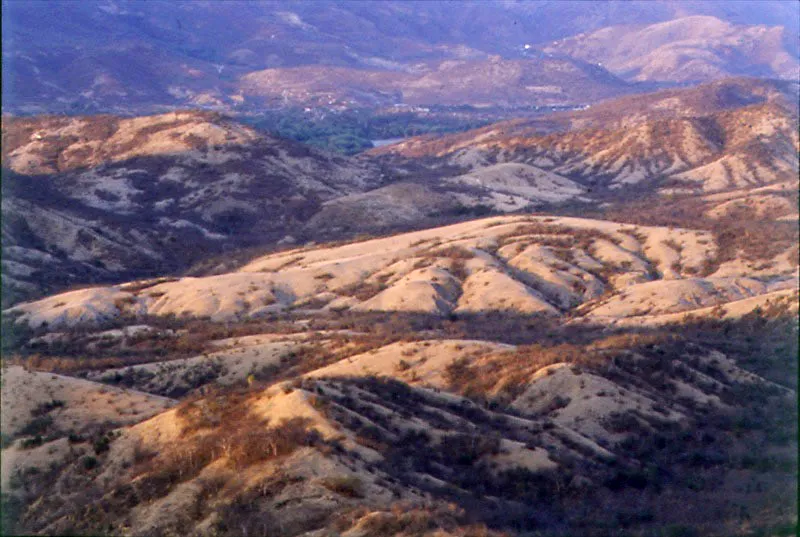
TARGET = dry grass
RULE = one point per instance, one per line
(362, 290)
(219, 427)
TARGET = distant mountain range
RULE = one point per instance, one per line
(144, 57)
(482, 83)
(689, 49)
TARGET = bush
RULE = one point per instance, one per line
(5, 440)
(36, 426)
(232, 434)
(244, 517)
(466, 449)
(250, 447)
(44, 408)
(101, 444)
(30, 443)
(349, 486)
(11, 508)
(458, 372)
(361, 290)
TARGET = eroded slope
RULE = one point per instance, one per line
(551, 266)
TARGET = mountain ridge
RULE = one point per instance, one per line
(170, 63)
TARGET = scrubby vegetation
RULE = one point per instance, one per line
(352, 131)
(752, 239)
(736, 458)
(722, 458)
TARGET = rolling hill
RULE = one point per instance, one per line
(559, 324)
(589, 269)
(98, 197)
(484, 82)
(484, 377)
(723, 135)
(135, 197)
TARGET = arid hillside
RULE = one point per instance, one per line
(693, 101)
(99, 197)
(156, 56)
(135, 197)
(400, 269)
(578, 269)
(690, 49)
(479, 82)
(729, 134)
(107, 198)
(483, 378)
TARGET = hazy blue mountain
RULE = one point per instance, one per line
(114, 55)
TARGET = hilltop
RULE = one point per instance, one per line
(136, 197)
(592, 270)
(475, 82)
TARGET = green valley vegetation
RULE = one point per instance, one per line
(352, 131)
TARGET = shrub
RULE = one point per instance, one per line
(458, 372)
(349, 486)
(30, 443)
(44, 408)
(361, 290)
(122, 302)
(458, 269)
(5, 440)
(250, 447)
(36, 426)
(232, 433)
(244, 517)
(101, 444)
(452, 252)
(466, 449)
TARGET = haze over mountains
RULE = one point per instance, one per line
(689, 49)
(174, 54)
(578, 318)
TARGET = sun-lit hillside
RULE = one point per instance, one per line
(689, 49)
(400, 269)
(524, 265)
